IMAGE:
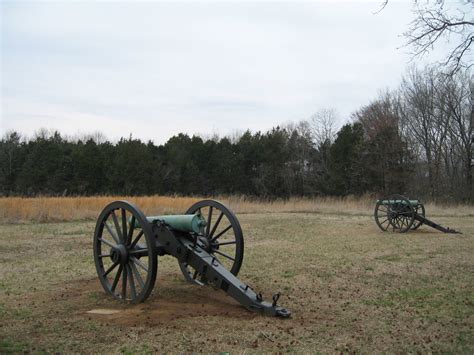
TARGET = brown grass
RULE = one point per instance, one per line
(351, 288)
(56, 209)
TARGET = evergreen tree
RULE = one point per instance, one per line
(347, 165)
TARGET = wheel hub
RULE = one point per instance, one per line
(119, 254)
(214, 246)
(209, 245)
(204, 243)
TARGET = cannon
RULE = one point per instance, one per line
(207, 242)
(401, 215)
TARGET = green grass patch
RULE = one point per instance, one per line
(3, 310)
(9, 346)
(21, 313)
(389, 258)
(379, 302)
(288, 274)
(136, 349)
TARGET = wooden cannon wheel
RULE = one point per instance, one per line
(222, 234)
(394, 211)
(125, 256)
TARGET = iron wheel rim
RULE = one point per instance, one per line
(381, 215)
(419, 210)
(224, 235)
(124, 254)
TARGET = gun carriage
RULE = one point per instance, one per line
(207, 242)
(401, 215)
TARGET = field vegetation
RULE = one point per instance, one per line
(351, 287)
(415, 140)
(60, 209)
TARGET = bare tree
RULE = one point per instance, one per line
(323, 125)
(390, 160)
(377, 116)
(425, 122)
(456, 94)
(436, 115)
(437, 21)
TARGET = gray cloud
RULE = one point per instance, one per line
(156, 69)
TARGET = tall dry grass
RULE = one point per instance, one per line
(55, 209)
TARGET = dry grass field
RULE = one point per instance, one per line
(350, 287)
(60, 209)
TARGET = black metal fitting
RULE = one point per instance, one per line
(275, 298)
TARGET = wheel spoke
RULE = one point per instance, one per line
(403, 221)
(132, 282)
(124, 283)
(137, 275)
(130, 231)
(216, 224)
(137, 238)
(111, 232)
(113, 266)
(117, 278)
(209, 219)
(124, 225)
(221, 233)
(395, 223)
(227, 243)
(139, 263)
(385, 208)
(195, 274)
(104, 255)
(407, 221)
(117, 228)
(399, 224)
(106, 242)
(224, 254)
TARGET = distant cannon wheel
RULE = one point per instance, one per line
(382, 214)
(395, 211)
(222, 236)
(125, 255)
(420, 210)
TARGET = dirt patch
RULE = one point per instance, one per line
(171, 300)
(103, 311)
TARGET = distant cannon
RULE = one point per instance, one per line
(209, 251)
(401, 214)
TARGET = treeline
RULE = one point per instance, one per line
(415, 140)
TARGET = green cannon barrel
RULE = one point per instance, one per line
(182, 222)
(388, 202)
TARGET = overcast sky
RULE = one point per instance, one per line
(154, 69)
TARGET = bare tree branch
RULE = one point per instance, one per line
(435, 22)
